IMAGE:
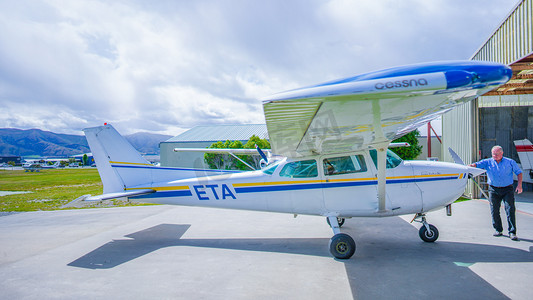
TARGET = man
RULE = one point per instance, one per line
(500, 173)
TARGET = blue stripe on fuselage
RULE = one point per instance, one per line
(326, 185)
(163, 194)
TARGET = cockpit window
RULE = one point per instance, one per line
(344, 165)
(300, 169)
(393, 160)
(270, 169)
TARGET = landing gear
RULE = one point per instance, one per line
(339, 220)
(428, 233)
(341, 245)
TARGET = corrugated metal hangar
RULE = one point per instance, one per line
(505, 114)
(203, 137)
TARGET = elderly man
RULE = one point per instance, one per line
(500, 173)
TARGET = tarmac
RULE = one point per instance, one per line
(172, 252)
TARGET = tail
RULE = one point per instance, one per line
(124, 172)
(112, 155)
(524, 148)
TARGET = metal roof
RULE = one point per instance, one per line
(214, 133)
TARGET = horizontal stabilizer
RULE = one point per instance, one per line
(119, 195)
(401, 144)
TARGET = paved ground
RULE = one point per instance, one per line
(167, 252)
(524, 202)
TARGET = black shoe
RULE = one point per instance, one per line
(513, 237)
(497, 233)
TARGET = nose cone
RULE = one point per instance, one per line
(477, 74)
(474, 172)
(490, 73)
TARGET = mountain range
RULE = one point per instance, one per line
(36, 142)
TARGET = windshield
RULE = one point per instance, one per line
(271, 168)
(393, 160)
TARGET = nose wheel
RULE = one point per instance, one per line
(341, 245)
(428, 233)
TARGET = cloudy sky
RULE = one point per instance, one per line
(166, 66)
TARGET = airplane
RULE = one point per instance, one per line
(333, 159)
(524, 148)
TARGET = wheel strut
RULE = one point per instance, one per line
(428, 233)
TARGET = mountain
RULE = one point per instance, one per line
(147, 143)
(44, 143)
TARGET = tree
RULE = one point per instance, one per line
(228, 162)
(85, 159)
(254, 160)
(411, 152)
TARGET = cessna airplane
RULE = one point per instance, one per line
(524, 148)
(333, 139)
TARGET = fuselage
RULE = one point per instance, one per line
(343, 185)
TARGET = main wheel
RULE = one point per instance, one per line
(339, 220)
(342, 246)
(428, 236)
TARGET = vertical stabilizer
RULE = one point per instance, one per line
(110, 148)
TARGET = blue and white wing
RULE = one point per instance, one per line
(374, 108)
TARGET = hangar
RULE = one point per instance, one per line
(504, 114)
(203, 137)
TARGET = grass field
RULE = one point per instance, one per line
(49, 189)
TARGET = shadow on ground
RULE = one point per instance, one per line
(390, 261)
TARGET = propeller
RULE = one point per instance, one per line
(472, 172)
(455, 157)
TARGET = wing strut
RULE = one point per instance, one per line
(381, 147)
(382, 174)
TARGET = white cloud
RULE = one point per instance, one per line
(166, 66)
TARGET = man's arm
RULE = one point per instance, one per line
(519, 186)
(472, 165)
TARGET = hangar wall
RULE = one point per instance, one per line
(510, 43)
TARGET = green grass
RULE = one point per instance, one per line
(461, 199)
(50, 188)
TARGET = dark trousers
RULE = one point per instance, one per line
(496, 196)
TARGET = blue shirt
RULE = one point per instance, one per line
(499, 174)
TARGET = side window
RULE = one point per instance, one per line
(393, 160)
(300, 169)
(344, 165)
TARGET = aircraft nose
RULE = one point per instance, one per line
(474, 172)
(494, 74)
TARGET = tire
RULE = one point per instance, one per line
(342, 246)
(428, 236)
(339, 220)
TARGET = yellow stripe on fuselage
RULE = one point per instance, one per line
(338, 180)
(253, 184)
(275, 183)
(129, 163)
(162, 188)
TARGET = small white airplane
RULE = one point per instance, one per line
(333, 139)
(524, 148)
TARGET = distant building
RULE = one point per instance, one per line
(203, 137)
(79, 158)
(6, 159)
